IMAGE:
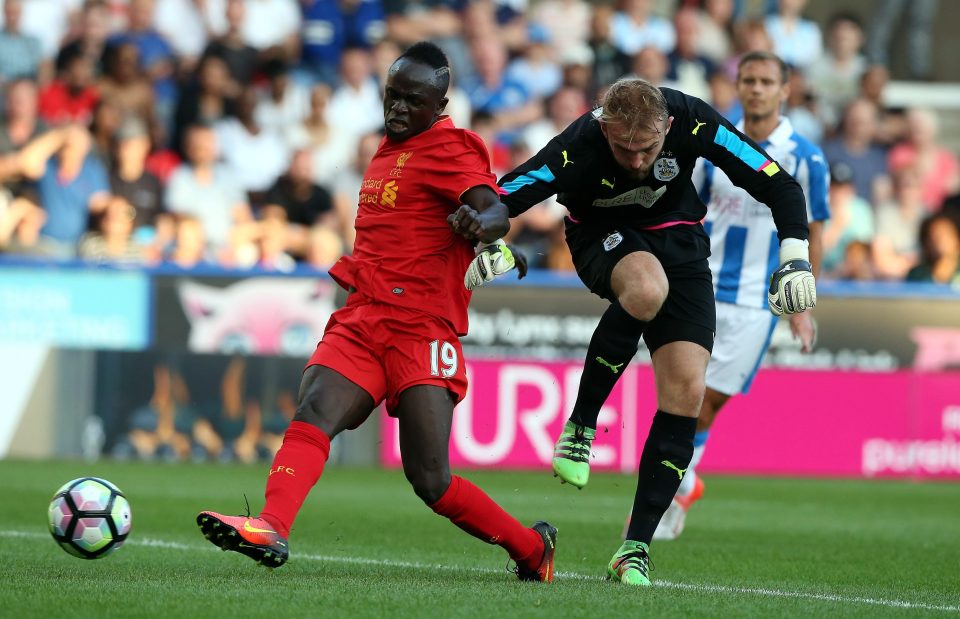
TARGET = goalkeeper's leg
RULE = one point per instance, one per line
(612, 347)
(713, 401)
(640, 287)
(691, 486)
(679, 367)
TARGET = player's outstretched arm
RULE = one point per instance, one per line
(482, 216)
(485, 219)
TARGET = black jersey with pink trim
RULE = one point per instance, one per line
(580, 169)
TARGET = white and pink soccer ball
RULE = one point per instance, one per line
(89, 517)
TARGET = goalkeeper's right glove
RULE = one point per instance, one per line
(792, 286)
(493, 260)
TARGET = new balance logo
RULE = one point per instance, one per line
(613, 368)
(671, 465)
(697, 128)
(607, 183)
(565, 159)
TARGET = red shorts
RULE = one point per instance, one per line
(386, 349)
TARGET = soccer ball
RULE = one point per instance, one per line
(89, 517)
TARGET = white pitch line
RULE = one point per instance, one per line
(666, 584)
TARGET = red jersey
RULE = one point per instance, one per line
(57, 104)
(405, 252)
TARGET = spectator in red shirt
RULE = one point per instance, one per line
(72, 96)
(938, 168)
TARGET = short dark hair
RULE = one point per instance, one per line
(844, 16)
(68, 56)
(762, 56)
(430, 54)
(927, 252)
(275, 67)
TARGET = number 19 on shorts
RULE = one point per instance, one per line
(443, 359)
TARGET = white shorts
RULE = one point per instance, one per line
(743, 335)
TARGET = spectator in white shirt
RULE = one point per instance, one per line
(565, 106)
(255, 156)
(634, 28)
(798, 41)
(716, 30)
(285, 103)
(835, 76)
(182, 24)
(330, 147)
(271, 26)
(568, 22)
(205, 189)
(356, 106)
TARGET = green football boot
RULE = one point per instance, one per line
(571, 454)
(631, 564)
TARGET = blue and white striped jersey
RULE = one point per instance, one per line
(743, 238)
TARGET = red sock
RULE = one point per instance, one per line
(296, 468)
(469, 507)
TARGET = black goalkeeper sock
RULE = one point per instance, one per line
(666, 456)
(613, 345)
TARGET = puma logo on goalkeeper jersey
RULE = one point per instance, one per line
(697, 128)
(607, 183)
(565, 159)
(613, 368)
(671, 465)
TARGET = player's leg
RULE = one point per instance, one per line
(425, 413)
(691, 487)
(616, 266)
(639, 286)
(713, 401)
(679, 368)
(340, 387)
(329, 404)
(680, 339)
(738, 351)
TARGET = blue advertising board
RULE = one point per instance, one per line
(75, 308)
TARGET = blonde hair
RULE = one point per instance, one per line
(635, 104)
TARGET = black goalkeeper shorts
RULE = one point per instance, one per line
(689, 312)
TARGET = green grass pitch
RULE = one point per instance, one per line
(364, 546)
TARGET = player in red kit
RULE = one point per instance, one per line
(427, 198)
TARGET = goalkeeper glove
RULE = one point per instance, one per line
(493, 260)
(792, 286)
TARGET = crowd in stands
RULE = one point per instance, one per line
(203, 408)
(236, 132)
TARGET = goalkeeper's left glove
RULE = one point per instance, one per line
(493, 260)
(792, 286)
